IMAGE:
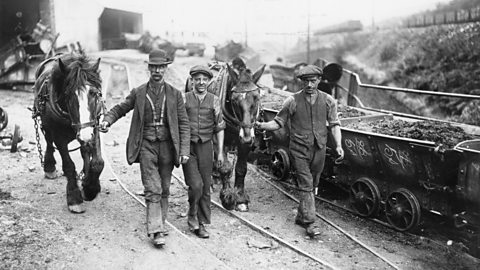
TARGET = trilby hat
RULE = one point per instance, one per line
(158, 57)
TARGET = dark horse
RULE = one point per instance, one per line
(68, 100)
(240, 98)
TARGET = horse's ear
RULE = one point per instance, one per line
(95, 67)
(256, 76)
(61, 66)
(232, 74)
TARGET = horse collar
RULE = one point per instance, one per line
(51, 99)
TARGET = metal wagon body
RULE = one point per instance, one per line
(402, 176)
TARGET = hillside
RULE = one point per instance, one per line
(437, 58)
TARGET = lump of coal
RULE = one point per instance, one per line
(347, 112)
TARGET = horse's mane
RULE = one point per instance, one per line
(78, 72)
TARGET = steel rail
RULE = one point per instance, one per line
(420, 92)
(265, 175)
(331, 223)
(263, 231)
(408, 90)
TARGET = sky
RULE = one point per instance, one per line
(262, 19)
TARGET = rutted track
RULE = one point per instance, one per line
(38, 232)
(343, 252)
(252, 225)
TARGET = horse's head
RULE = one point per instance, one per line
(244, 95)
(77, 84)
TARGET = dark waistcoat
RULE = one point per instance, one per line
(201, 116)
(156, 124)
(308, 123)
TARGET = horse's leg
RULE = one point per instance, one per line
(74, 196)
(240, 172)
(86, 155)
(49, 160)
(92, 168)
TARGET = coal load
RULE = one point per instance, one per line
(441, 133)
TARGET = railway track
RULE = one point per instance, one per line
(261, 234)
(267, 177)
(443, 238)
(267, 233)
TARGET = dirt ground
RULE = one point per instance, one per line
(38, 232)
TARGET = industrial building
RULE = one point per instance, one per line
(96, 24)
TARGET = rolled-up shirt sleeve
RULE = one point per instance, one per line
(332, 115)
(288, 108)
(217, 108)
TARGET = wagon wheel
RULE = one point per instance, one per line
(3, 119)
(280, 164)
(16, 138)
(365, 197)
(402, 210)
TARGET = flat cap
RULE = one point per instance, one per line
(309, 70)
(199, 69)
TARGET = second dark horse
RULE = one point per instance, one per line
(240, 96)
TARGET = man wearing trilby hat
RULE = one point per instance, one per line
(159, 138)
(307, 112)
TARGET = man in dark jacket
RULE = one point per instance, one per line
(206, 121)
(307, 112)
(159, 138)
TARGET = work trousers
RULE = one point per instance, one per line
(308, 162)
(156, 165)
(198, 177)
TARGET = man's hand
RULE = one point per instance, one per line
(259, 125)
(184, 159)
(220, 159)
(340, 153)
(104, 126)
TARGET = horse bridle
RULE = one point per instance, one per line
(96, 122)
(234, 117)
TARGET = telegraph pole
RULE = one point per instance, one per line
(245, 26)
(308, 31)
(373, 15)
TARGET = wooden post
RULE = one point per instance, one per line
(352, 90)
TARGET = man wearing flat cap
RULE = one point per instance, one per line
(159, 138)
(206, 121)
(306, 114)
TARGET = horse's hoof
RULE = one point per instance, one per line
(52, 175)
(242, 207)
(77, 208)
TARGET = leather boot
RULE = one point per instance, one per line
(158, 240)
(312, 230)
(202, 232)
